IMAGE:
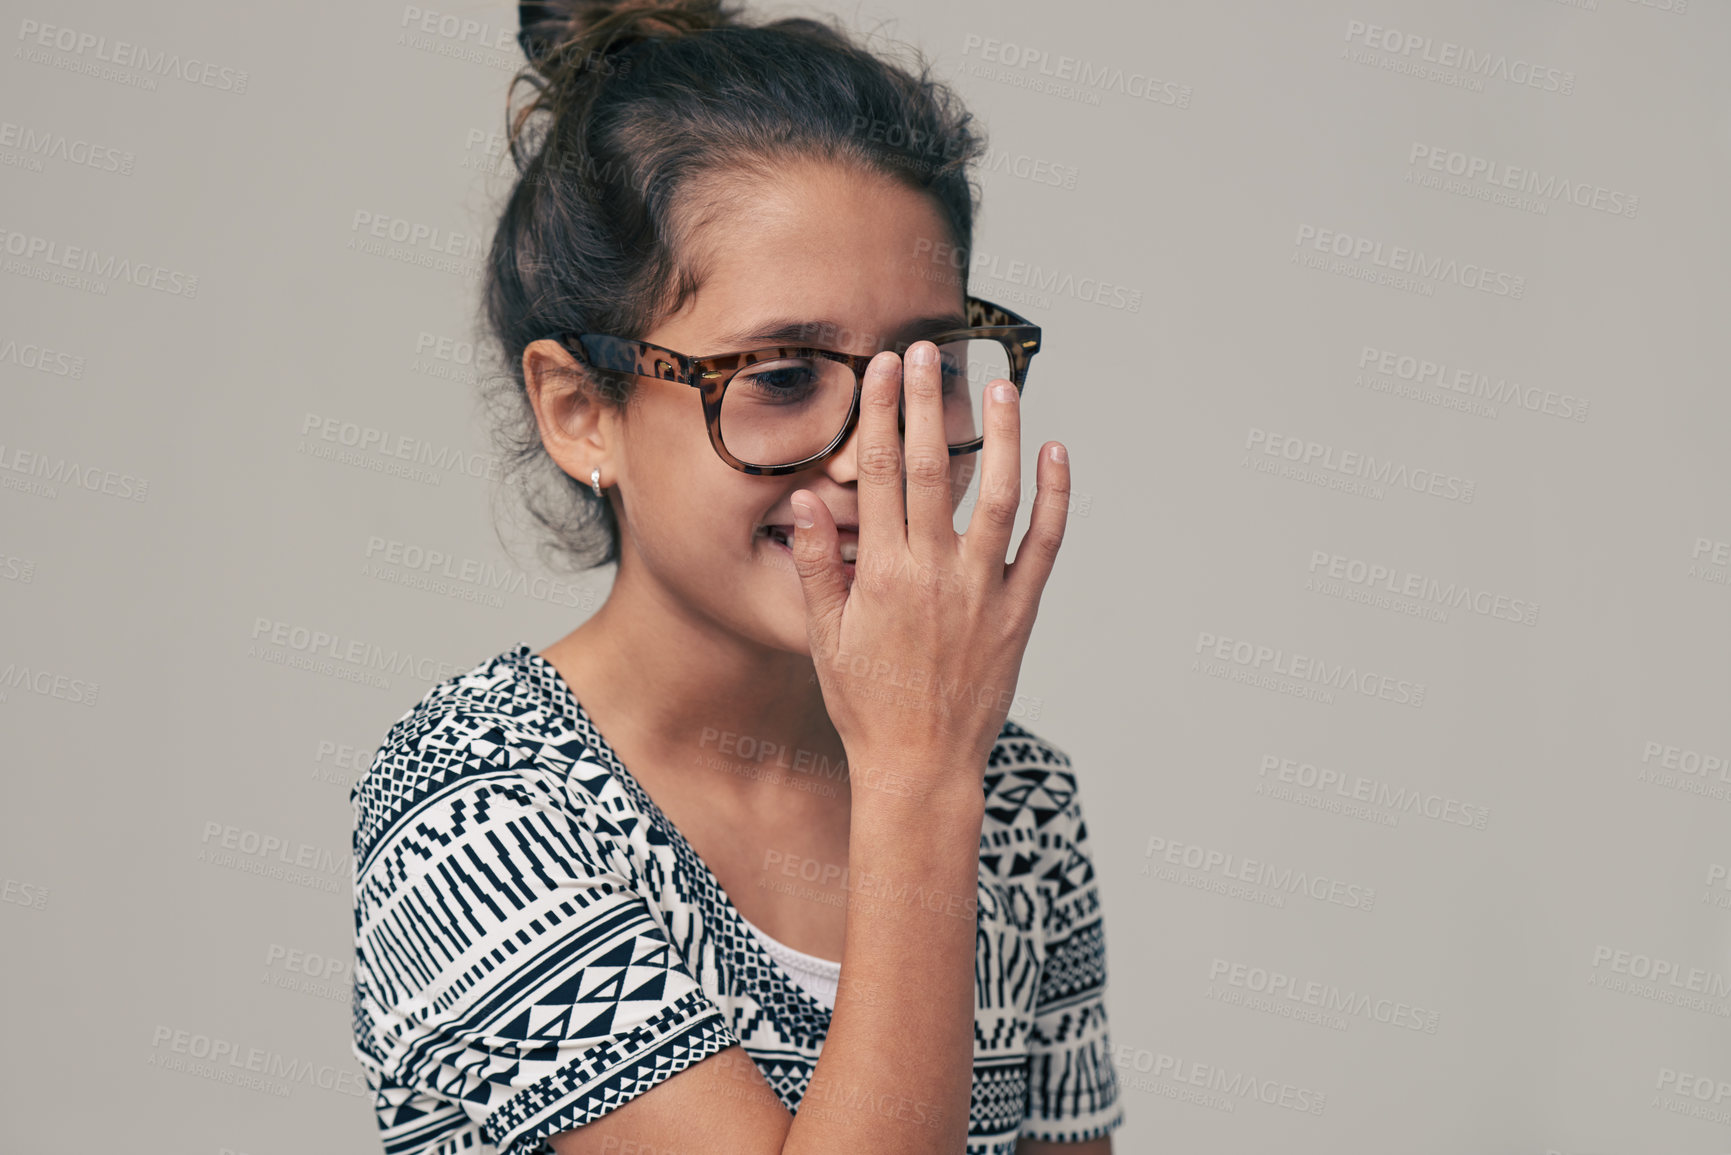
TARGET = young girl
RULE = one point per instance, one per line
(753, 860)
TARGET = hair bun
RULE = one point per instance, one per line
(560, 36)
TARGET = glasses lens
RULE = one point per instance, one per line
(777, 412)
(786, 410)
(968, 367)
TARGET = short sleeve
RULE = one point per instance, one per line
(510, 982)
(1072, 1084)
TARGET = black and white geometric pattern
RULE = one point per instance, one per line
(536, 944)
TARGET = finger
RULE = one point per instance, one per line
(822, 577)
(883, 537)
(994, 516)
(931, 517)
(1038, 549)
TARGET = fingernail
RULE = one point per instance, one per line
(1003, 391)
(922, 354)
(802, 515)
(1059, 455)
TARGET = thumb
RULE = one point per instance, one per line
(819, 565)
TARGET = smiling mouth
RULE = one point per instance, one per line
(782, 536)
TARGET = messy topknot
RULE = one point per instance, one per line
(628, 103)
(557, 35)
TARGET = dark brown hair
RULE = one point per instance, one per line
(636, 108)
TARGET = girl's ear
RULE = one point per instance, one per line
(570, 402)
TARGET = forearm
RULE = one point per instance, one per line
(896, 1072)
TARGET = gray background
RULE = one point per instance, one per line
(168, 499)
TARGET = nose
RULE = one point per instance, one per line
(842, 466)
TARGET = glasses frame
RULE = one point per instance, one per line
(712, 374)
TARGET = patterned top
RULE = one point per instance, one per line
(818, 977)
(535, 943)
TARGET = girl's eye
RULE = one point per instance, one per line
(778, 380)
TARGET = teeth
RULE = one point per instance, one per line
(850, 551)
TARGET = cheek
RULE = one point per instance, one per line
(687, 506)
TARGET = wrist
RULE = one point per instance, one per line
(916, 782)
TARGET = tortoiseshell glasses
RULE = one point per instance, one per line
(786, 408)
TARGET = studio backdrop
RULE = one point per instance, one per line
(1390, 638)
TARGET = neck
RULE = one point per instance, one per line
(683, 690)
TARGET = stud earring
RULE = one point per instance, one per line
(595, 481)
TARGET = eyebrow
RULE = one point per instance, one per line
(804, 332)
